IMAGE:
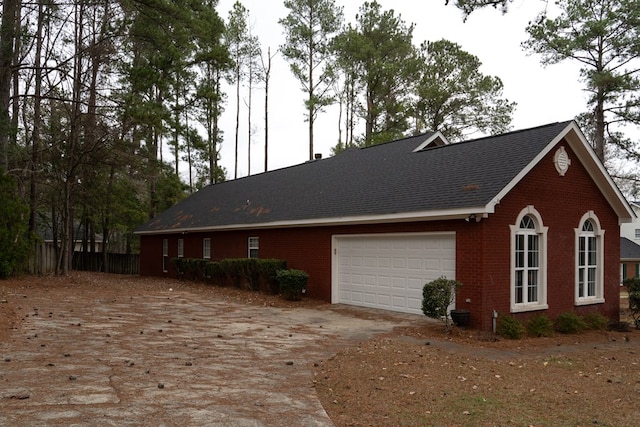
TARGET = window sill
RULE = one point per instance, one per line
(531, 307)
(590, 301)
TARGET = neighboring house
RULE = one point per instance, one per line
(528, 221)
(630, 245)
(629, 259)
(631, 230)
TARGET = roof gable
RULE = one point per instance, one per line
(629, 250)
(412, 179)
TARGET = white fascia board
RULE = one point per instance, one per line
(583, 150)
(438, 215)
(436, 136)
(589, 160)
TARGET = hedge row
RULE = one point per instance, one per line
(542, 326)
(249, 272)
(245, 272)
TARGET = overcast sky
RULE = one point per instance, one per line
(543, 95)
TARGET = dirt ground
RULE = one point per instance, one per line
(416, 375)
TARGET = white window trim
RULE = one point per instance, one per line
(165, 254)
(599, 234)
(206, 247)
(541, 304)
(250, 247)
(180, 248)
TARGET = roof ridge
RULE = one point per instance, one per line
(519, 131)
(404, 138)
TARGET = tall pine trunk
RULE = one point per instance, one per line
(8, 35)
(37, 121)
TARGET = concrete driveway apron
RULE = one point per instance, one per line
(172, 358)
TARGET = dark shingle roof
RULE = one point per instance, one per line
(385, 179)
(629, 249)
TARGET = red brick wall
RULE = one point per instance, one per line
(482, 249)
(561, 202)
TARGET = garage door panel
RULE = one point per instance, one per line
(415, 264)
(400, 263)
(384, 262)
(370, 280)
(399, 303)
(389, 272)
(370, 298)
(415, 284)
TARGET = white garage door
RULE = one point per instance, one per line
(389, 271)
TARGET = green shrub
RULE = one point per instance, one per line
(179, 264)
(509, 327)
(569, 323)
(540, 326)
(233, 269)
(268, 269)
(596, 321)
(633, 289)
(437, 296)
(193, 268)
(293, 283)
(251, 272)
(200, 266)
(213, 272)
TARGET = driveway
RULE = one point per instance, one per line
(170, 357)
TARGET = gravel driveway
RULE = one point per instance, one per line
(168, 357)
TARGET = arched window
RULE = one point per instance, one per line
(528, 262)
(589, 261)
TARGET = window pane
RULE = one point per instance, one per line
(520, 251)
(581, 282)
(527, 223)
(180, 248)
(581, 250)
(518, 293)
(254, 244)
(592, 251)
(533, 255)
(532, 288)
(591, 289)
(165, 254)
(206, 248)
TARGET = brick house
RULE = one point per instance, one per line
(528, 221)
(630, 245)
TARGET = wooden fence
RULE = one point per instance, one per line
(115, 263)
(44, 261)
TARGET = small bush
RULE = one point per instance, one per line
(213, 272)
(293, 283)
(509, 327)
(233, 268)
(633, 289)
(192, 267)
(540, 326)
(251, 273)
(179, 265)
(569, 323)
(268, 269)
(437, 296)
(596, 321)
